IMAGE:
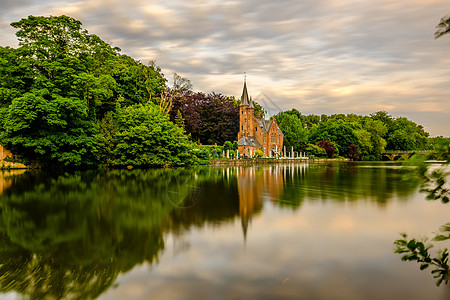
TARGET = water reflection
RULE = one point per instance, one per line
(69, 235)
(7, 178)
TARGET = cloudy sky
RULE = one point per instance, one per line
(318, 56)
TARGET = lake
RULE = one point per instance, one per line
(295, 231)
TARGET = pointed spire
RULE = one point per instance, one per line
(251, 103)
(244, 97)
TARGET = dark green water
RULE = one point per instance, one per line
(306, 231)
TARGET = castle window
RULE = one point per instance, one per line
(256, 128)
(242, 127)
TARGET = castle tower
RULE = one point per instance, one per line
(251, 113)
(243, 112)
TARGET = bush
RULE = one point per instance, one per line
(328, 146)
(259, 154)
(315, 150)
(146, 137)
(227, 146)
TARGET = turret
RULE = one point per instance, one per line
(250, 114)
(243, 113)
(244, 96)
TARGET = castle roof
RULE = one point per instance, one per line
(264, 124)
(249, 141)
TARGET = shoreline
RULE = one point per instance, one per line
(266, 161)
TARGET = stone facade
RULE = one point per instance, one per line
(256, 133)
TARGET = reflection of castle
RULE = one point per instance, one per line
(253, 185)
(6, 179)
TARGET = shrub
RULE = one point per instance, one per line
(259, 154)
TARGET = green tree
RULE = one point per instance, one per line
(107, 137)
(406, 135)
(50, 129)
(370, 138)
(146, 137)
(179, 121)
(227, 146)
(334, 130)
(294, 133)
(58, 84)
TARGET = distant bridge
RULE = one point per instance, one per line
(393, 154)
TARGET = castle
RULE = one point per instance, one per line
(256, 133)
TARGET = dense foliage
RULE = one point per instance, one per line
(353, 136)
(209, 118)
(64, 94)
(145, 137)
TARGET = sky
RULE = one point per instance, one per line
(317, 56)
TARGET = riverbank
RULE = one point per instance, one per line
(266, 161)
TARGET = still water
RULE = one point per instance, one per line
(303, 231)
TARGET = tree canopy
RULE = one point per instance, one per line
(64, 93)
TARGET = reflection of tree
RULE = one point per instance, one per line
(341, 182)
(69, 236)
(216, 200)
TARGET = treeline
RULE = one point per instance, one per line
(353, 136)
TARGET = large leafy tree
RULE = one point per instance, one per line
(370, 137)
(57, 86)
(334, 130)
(50, 129)
(209, 118)
(406, 135)
(294, 134)
(400, 133)
(146, 137)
